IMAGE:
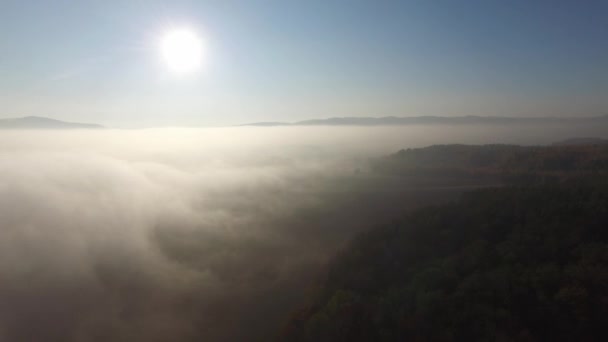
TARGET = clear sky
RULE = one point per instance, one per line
(282, 60)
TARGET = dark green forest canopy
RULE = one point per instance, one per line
(501, 264)
(523, 262)
(496, 160)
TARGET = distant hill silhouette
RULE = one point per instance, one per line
(581, 141)
(37, 122)
(433, 120)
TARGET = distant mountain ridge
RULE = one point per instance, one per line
(38, 122)
(581, 141)
(433, 120)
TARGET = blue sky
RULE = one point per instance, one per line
(289, 60)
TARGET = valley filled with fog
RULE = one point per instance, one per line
(195, 233)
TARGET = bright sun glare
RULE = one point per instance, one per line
(182, 50)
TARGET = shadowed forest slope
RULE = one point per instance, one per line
(500, 264)
(523, 262)
(506, 162)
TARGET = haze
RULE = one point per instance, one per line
(184, 234)
(323, 170)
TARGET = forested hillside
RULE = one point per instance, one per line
(515, 263)
(507, 162)
(501, 264)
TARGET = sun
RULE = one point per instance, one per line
(182, 50)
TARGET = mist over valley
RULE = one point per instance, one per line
(185, 234)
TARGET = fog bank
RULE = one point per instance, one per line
(187, 234)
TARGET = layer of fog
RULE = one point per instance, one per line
(187, 234)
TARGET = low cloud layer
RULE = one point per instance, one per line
(182, 234)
